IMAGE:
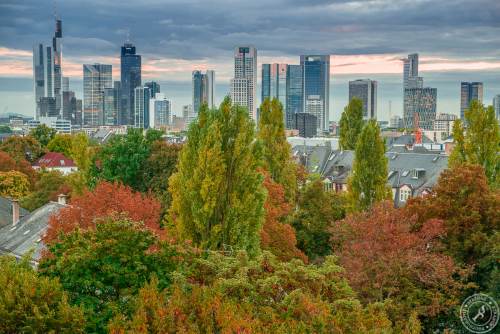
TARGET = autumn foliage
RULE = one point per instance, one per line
(105, 200)
(277, 236)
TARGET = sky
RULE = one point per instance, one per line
(457, 41)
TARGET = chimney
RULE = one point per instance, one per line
(61, 199)
(15, 212)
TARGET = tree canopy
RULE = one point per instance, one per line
(351, 124)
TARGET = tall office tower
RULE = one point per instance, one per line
(294, 93)
(96, 78)
(160, 111)
(130, 79)
(68, 104)
(210, 91)
(469, 91)
(202, 90)
(141, 109)
(444, 123)
(410, 72)
(154, 88)
(306, 124)
(42, 76)
(244, 83)
(65, 84)
(274, 83)
(112, 104)
(366, 91)
(420, 101)
(496, 106)
(47, 107)
(316, 88)
(57, 51)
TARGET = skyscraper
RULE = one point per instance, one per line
(496, 106)
(244, 83)
(294, 93)
(366, 91)
(130, 79)
(469, 91)
(42, 76)
(410, 72)
(154, 88)
(160, 111)
(203, 89)
(141, 110)
(112, 104)
(274, 83)
(421, 102)
(57, 52)
(316, 87)
(96, 78)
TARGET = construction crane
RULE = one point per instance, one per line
(417, 129)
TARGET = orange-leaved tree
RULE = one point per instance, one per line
(106, 199)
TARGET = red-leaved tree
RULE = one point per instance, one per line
(106, 199)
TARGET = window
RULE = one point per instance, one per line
(404, 194)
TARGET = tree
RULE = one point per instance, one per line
(43, 134)
(103, 268)
(277, 236)
(7, 164)
(159, 166)
(48, 186)
(61, 143)
(106, 199)
(83, 154)
(458, 156)
(222, 294)
(5, 129)
(276, 150)
(471, 214)
(351, 124)
(20, 148)
(317, 210)
(217, 193)
(388, 256)
(33, 304)
(481, 142)
(368, 182)
(14, 184)
(123, 158)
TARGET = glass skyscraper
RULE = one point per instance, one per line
(244, 83)
(366, 91)
(469, 91)
(96, 78)
(56, 47)
(294, 93)
(203, 89)
(130, 79)
(274, 83)
(154, 88)
(141, 110)
(420, 101)
(316, 87)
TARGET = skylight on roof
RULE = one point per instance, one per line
(406, 172)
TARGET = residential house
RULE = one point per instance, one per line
(55, 161)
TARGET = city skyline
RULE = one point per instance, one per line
(176, 64)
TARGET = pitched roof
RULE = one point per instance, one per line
(26, 235)
(54, 160)
(6, 212)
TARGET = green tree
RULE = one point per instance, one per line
(481, 142)
(351, 124)
(48, 186)
(368, 182)
(14, 184)
(317, 211)
(103, 269)
(20, 148)
(123, 159)
(83, 155)
(33, 304)
(43, 134)
(5, 129)
(275, 148)
(217, 193)
(458, 156)
(61, 143)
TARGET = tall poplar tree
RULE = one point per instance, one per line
(275, 148)
(480, 143)
(217, 193)
(368, 183)
(351, 124)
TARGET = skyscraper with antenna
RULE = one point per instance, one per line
(57, 55)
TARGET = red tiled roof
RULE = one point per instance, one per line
(53, 160)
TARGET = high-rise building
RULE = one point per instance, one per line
(469, 91)
(188, 114)
(294, 93)
(43, 74)
(366, 91)
(47, 107)
(421, 103)
(160, 111)
(274, 84)
(396, 122)
(306, 124)
(316, 87)
(111, 107)
(410, 72)
(154, 88)
(141, 110)
(444, 123)
(244, 83)
(203, 89)
(68, 104)
(496, 106)
(130, 79)
(57, 52)
(96, 78)
(65, 84)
